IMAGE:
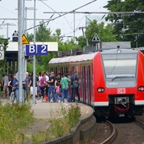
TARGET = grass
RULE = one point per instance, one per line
(12, 119)
(58, 126)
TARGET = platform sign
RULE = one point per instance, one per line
(1, 52)
(36, 50)
(42, 49)
(95, 38)
(24, 40)
(31, 50)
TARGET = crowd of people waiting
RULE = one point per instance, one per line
(48, 86)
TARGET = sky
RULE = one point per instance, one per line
(8, 10)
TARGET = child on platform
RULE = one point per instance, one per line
(57, 89)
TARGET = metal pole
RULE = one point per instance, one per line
(23, 45)
(7, 29)
(74, 25)
(25, 19)
(25, 69)
(20, 49)
(34, 57)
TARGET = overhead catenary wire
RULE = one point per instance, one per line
(65, 13)
(57, 13)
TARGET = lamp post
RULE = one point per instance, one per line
(7, 24)
(34, 57)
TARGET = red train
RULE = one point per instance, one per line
(112, 81)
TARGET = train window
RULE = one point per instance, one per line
(71, 70)
(61, 70)
(51, 69)
(115, 66)
(120, 69)
(56, 70)
(66, 69)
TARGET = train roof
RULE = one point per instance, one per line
(77, 58)
(119, 50)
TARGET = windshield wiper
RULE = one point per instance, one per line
(122, 77)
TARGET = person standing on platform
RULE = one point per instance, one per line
(5, 88)
(36, 84)
(65, 85)
(74, 87)
(51, 83)
(47, 85)
(42, 86)
(38, 88)
(15, 83)
(27, 84)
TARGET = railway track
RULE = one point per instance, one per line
(125, 133)
(112, 137)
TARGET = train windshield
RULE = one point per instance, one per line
(120, 65)
(120, 69)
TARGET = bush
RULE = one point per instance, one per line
(12, 119)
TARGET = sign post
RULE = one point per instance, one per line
(24, 40)
(1, 52)
(20, 77)
(95, 40)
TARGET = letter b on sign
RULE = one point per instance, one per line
(31, 50)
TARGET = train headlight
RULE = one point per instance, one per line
(100, 90)
(141, 88)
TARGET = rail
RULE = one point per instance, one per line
(113, 134)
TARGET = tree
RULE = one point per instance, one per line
(127, 26)
(42, 33)
(105, 33)
(3, 62)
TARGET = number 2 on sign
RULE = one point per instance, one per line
(44, 49)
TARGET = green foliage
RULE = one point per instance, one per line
(3, 62)
(81, 41)
(12, 119)
(105, 33)
(59, 126)
(126, 26)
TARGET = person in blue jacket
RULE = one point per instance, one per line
(15, 83)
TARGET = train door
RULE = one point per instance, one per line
(71, 70)
(61, 71)
(83, 86)
(88, 85)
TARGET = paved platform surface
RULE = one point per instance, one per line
(45, 111)
(48, 110)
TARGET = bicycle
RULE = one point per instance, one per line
(12, 95)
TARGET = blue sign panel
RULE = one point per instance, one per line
(36, 50)
(42, 49)
(31, 50)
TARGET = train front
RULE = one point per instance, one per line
(123, 86)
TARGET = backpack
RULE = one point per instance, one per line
(75, 84)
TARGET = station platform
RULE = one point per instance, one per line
(44, 110)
